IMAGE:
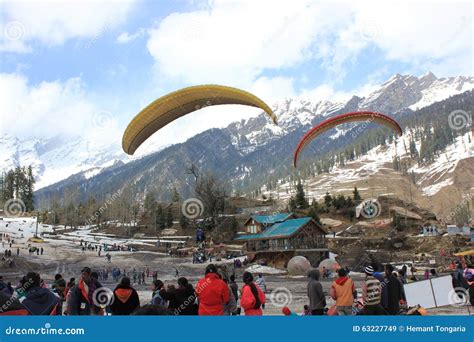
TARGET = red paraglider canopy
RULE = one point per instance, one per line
(341, 119)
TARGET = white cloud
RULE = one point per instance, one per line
(125, 37)
(54, 22)
(51, 108)
(235, 42)
(424, 34)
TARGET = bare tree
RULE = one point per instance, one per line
(212, 193)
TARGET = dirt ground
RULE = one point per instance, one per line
(67, 258)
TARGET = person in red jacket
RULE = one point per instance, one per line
(212, 293)
(252, 298)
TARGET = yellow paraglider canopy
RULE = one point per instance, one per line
(465, 253)
(181, 102)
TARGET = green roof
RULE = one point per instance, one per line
(271, 219)
(282, 229)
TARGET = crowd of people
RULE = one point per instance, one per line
(215, 294)
(382, 291)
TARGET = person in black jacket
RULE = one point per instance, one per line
(81, 301)
(394, 290)
(126, 299)
(181, 299)
(38, 300)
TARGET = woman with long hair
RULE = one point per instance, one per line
(253, 298)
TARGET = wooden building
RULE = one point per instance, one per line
(280, 241)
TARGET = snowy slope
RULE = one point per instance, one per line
(58, 157)
(430, 179)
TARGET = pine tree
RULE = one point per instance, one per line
(314, 215)
(150, 203)
(327, 200)
(300, 198)
(160, 217)
(169, 218)
(234, 224)
(175, 198)
(183, 222)
(356, 195)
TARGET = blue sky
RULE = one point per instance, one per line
(62, 62)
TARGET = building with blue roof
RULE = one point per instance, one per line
(258, 223)
(286, 237)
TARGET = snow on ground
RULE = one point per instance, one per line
(264, 269)
(330, 222)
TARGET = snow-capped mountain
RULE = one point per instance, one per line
(58, 157)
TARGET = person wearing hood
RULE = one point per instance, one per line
(156, 298)
(212, 293)
(38, 300)
(81, 301)
(260, 281)
(125, 300)
(317, 299)
(11, 306)
(253, 298)
(230, 308)
(342, 291)
(394, 290)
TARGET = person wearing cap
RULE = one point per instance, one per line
(212, 293)
(372, 294)
(81, 301)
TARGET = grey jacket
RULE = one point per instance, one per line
(317, 299)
